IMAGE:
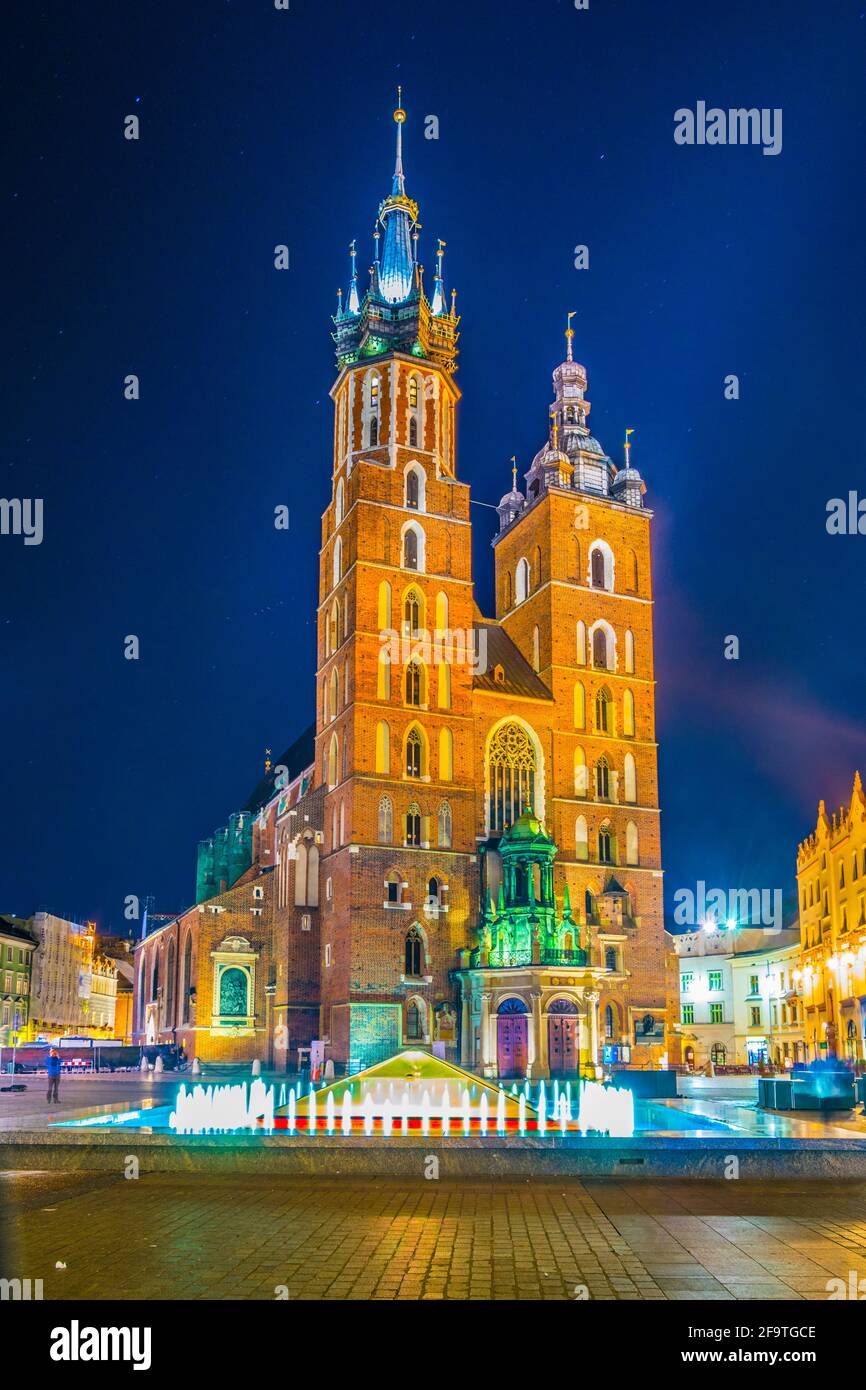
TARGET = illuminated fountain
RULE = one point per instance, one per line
(222, 1109)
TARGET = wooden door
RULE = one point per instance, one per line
(512, 1044)
(563, 1047)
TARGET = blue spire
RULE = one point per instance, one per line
(437, 305)
(353, 303)
(398, 215)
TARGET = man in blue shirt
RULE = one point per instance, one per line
(53, 1067)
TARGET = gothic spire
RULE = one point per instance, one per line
(353, 303)
(437, 304)
(399, 216)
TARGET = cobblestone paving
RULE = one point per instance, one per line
(198, 1237)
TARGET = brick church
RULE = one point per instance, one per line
(465, 848)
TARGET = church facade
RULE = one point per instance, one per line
(467, 850)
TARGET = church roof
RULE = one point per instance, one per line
(518, 676)
(297, 758)
(527, 827)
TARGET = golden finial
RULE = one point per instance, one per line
(267, 760)
(513, 472)
(399, 114)
(627, 445)
(569, 334)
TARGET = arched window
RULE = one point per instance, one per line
(186, 981)
(334, 628)
(631, 844)
(608, 1022)
(603, 714)
(579, 706)
(374, 431)
(602, 780)
(233, 993)
(301, 876)
(338, 560)
(414, 684)
(509, 591)
(630, 778)
(414, 753)
(339, 502)
(414, 493)
(628, 713)
(169, 986)
(511, 762)
(580, 778)
(154, 977)
(581, 643)
(312, 876)
(334, 703)
(446, 755)
(413, 441)
(413, 393)
(385, 821)
(605, 844)
(412, 612)
(444, 826)
(384, 606)
(383, 747)
(629, 651)
(333, 761)
(441, 614)
(599, 649)
(383, 674)
(581, 840)
(523, 580)
(536, 649)
(413, 548)
(414, 1021)
(413, 825)
(414, 954)
(601, 565)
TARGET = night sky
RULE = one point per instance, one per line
(155, 257)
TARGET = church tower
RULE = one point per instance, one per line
(393, 713)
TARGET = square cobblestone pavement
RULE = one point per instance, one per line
(197, 1237)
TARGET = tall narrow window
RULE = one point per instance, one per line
(602, 780)
(383, 675)
(414, 954)
(414, 753)
(581, 842)
(339, 503)
(599, 648)
(414, 683)
(444, 826)
(631, 844)
(333, 761)
(597, 570)
(338, 560)
(629, 651)
(385, 821)
(628, 713)
(630, 778)
(579, 706)
(523, 580)
(412, 476)
(383, 747)
(412, 613)
(511, 775)
(536, 649)
(446, 755)
(413, 826)
(410, 550)
(374, 431)
(605, 845)
(603, 720)
(581, 643)
(383, 611)
(580, 777)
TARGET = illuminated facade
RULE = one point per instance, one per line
(470, 856)
(831, 884)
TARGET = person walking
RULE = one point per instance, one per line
(53, 1067)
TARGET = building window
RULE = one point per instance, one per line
(602, 780)
(413, 826)
(599, 649)
(412, 611)
(603, 720)
(511, 763)
(755, 1015)
(414, 954)
(414, 684)
(414, 1028)
(688, 1013)
(686, 980)
(716, 1013)
(605, 845)
(328, 955)
(715, 980)
(444, 826)
(610, 958)
(414, 753)
(523, 581)
(385, 821)
(608, 1022)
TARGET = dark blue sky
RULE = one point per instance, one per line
(556, 128)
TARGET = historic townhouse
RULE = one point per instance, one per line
(472, 847)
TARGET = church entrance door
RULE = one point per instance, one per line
(563, 1044)
(512, 1044)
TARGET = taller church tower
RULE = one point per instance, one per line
(393, 718)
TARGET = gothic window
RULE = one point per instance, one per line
(536, 650)
(334, 628)
(154, 977)
(301, 876)
(338, 560)
(597, 570)
(581, 643)
(312, 876)
(414, 1026)
(414, 753)
(511, 762)
(413, 548)
(169, 986)
(523, 581)
(413, 443)
(589, 905)
(374, 431)
(434, 892)
(602, 780)
(414, 954)
(608, 1022)
(605, 845)
(441, 614)
(339, 503)
(629, 651)
(446, 755)
(385, 821)
(233, 993)
(333, 704)
(631, 844)
(444, 825)
(412, 612)
(412, 480)
(186, 985)
(413, 393)
(610, 958)
(603, 717)
(414, 684)
(413, 825)
(374, 392)
(333, 761)
(601, 565)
